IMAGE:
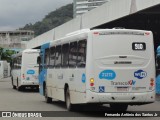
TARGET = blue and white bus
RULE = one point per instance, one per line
(103, 66)
(158, 71)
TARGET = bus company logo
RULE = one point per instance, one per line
(140, 74)
(107, 74)
(31, 72)
(130, 83)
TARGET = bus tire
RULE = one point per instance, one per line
(14, 87)
(70, 107)
(19, 88)
(47, 99)
(118, 107)
(17, 85)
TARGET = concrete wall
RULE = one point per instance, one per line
(71, 26)
(41, 39)
(143, 4)
(108, 12)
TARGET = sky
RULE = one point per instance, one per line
(17, 13)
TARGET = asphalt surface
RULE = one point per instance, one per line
(31, 100)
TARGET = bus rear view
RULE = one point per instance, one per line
(122, 67)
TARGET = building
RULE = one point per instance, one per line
(129, 14)
(15, 39)
(82, 6)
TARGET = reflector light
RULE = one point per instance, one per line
(96, 33)
(152, 84)
(152, 80)
(23, 76)
(91, 84)
(147, 33)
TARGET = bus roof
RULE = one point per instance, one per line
(25, 51)
(83, 34)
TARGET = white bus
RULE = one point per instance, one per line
(24, 69)
(103, 66)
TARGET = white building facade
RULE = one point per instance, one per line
(83, 6)
(15, 39)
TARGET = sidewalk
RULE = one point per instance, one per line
(5, 79)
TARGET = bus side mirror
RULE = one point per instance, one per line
(38, 60)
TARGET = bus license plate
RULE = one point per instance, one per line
(122, 89)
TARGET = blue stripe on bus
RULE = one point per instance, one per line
(43, 73)
(158, 84)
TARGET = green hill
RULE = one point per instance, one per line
(52, 20)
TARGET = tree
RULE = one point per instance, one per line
(6, 54)
(52, 20)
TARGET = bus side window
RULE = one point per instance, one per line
(58, 58)
(52, 57)
(19, 62)
(12, 64)
(46, 59)
(15, 63)
(73, 55)
(81, 56)
(65, 55)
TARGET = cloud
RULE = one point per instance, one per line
(17, 13)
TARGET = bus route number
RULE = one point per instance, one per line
(139, 46)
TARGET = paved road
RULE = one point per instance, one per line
(30, 100)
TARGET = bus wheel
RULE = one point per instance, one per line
(37, 89)
(70, 107)
(47, 99)
(14, 87)
(20, 88)
(17, 85)
(118, 107)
